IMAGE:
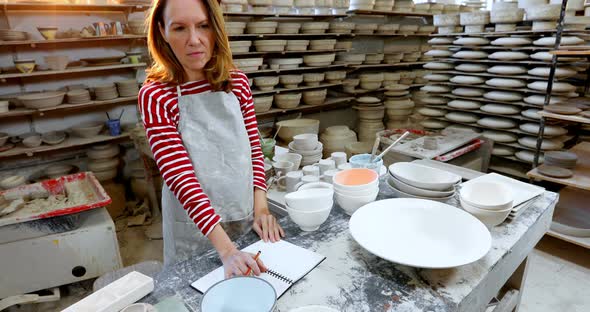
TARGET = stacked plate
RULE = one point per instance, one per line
(354, 188)
(12, 35)
(308, 146)
(399, 106)
(105, 92)
(78, 96)
(490, 202)
(566, 160)
(103, 161)
(416, 181)
(128, 87)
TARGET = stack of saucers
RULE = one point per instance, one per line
(105, 92)
(128, 87)
(308, 146)
(78, 96)
(416, 181)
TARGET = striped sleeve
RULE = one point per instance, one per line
(156, 108)
(241, 89)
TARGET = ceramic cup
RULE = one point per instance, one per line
(339, 158)
(292, 179)
(329, 175)
(282, 168)
(268, 147)
(311, 170)
(363, 161)
(325, 165)
(114, 126)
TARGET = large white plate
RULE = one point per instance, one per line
(521, 191)
(420, 233)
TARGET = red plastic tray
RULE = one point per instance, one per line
(96, 198)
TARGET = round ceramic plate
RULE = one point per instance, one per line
(313, 308)
(555, 172)
(442, 236)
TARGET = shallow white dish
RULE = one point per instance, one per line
(507, 96)
(464, 104)
(470, 55)
(497, 122)
(507, 70)
(557, 86)
(432, 112)
(490, 218)
(438, 66)
(462, 117)
(424, 177)
(540, 99)
(442, 236)
(531, 113)
(252, 292)
(505, 83)
(533, 128)
(471, 41)
(565, 40)
(501, 109)
(469, 92)
(528, 156)
(412, 190)
(547, 144)
(508, 56)
(469, 80)
(500, 136)
(472, 68)
(499, 150)
(511, 41)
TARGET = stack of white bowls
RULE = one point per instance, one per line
(310, 208)
(103, 161)
(490, 202)
(408, 180)
(336, 138)
(354, 188)
(399, 106)
(308, 146)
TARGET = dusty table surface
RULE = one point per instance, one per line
(352, 279)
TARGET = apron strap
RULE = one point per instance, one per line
(178, 93)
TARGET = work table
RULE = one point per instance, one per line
(352, 279)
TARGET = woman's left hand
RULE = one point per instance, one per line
(267, 227)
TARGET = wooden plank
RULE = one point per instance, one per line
(573, 118)
(68, 143)
(480, 112)
(328, 104)
(506, 33)
(493, 47)
(406, 64)
(513, 130)
(491, 88)
(72, 7)
(580, 241)
(255, 53)
(485, 74)
(71, 71)
(244, 36)
(482, 99)
(581, 177)
(298, 69)
(254, 14)
(282, 90)
(65, 107)
(389, 13)
(34, 43)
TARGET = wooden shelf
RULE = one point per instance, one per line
(488, 75)
(480, 112)
(391, 35)
(476, 125)
(71, 71)
(512, 171)
(580, 241)
(492, 47)
(70, 142)
(269, 36)
(72, 7)
(65, 107)
(572, 53)
(406, 64)
(254, 14)
(486, 61)
(303, 88)
(491, 88)
(389, 13)
(289, 52)
(581, 177)
(573, 118)
(34, 43)
(299, 69)
(332, 103)
(512, 158)
(482, 99)
(505, 33)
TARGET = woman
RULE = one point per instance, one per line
(199, 118)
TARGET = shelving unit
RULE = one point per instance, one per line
(85, 69)
(289, 52)
(302, 88)
(333, 103)
(53, 7)
(65, 107)
(389, 13)
(35, 43)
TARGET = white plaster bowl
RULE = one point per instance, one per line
(410, 189)
(487, 195)
(350, 204)
(313, 79)
(291, 157)
(291, 81)
(263, 103)
(292, 127)
(266, 83)
(488, 217)
(310, 200)
(424, 177)
(287, 100)
(319, 59)
(309, 221)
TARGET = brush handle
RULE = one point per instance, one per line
(393, 144)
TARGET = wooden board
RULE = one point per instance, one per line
(71, 71)
(573, 118)
(302, 88)
(34, 43)
(580, 241)
(288, 52)
(573, 212)
(581, 178)
(299, 69)
(330, 103)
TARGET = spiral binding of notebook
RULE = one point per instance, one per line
(279, 277)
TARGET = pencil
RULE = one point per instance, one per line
(255, 259)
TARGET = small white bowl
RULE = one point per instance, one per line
(487, 195)
(488, 217)
(350, 204)
(316, 185)
(305, 141)
(356, 179)
(309, 221)
(292, 157)
(310, 200)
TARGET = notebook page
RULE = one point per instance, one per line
(284, 258)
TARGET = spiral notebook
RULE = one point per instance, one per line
(286, 263)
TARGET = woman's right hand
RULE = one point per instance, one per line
(236, 263)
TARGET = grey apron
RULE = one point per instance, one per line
(213, 132)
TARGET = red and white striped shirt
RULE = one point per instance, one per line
(158, 105)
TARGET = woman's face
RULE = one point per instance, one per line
(188, 32)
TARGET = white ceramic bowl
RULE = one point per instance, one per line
(424, 177)
(305, 141)
(310, 200)
(292, 127)
(244, 291)
(350, 204)
(292, 157)
(316, 185)
(363, 192)
(407, 188)
(487, 195)
(356, 179)
(488, 217)
(309, 221)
